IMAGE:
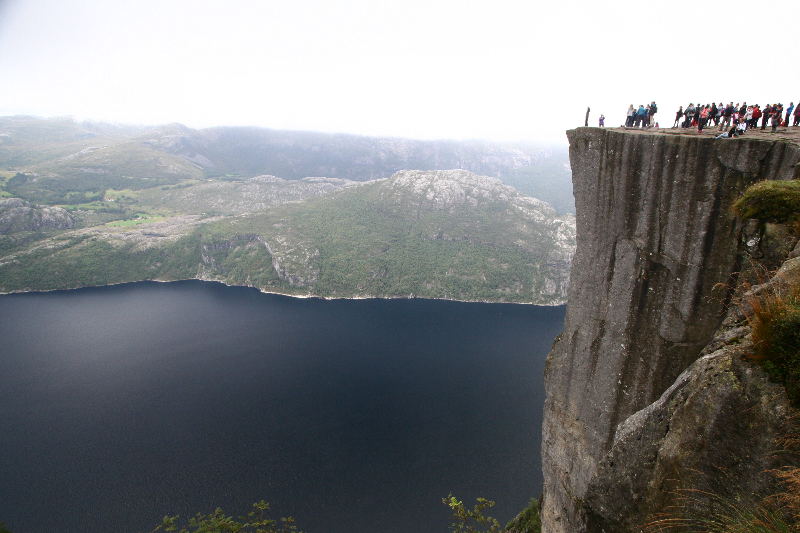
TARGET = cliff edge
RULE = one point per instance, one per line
(657, 250)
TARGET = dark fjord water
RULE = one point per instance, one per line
(121, 404)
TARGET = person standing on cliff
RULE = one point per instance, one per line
(776, 117)
(602, 121)
(756, 115)
(651, 114)
(689, 114)
(789, 112)
(796, 115)
(714, 114)
(727, 114)
(639, 116)
(631, 114)
(703, 118)
(765, 116)
(678, 116)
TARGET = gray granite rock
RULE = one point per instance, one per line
(17, 215)
(657, 249)
(712, 435)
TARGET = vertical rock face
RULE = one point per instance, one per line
(657, 246)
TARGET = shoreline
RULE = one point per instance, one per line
(303, 296)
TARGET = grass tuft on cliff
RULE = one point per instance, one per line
(771, 201)
(776, 339)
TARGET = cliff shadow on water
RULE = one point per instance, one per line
(658, 250)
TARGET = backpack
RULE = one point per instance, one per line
(653, 109)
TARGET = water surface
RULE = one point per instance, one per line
(121, 404)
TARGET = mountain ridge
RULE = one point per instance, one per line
(61, 148)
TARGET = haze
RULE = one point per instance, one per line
(500, 70)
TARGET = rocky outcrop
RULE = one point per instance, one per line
(17, 215)
(449, 190)
(711, 435)
(657, 248)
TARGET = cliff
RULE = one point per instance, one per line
(657, 249)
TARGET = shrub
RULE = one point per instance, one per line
(466, 521)
(527, 521)
(219, 522)
(771, 201)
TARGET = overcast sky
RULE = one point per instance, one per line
(499, 69)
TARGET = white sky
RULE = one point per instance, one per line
(499, 69)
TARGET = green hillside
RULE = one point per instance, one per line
(446, 234)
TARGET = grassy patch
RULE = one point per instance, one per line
(117, 194)
(776, 338)
(771, 201)
(4, 177)
(134, 222)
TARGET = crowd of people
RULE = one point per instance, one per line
(731, 119)
(644, 116)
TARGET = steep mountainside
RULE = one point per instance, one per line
(658, 247)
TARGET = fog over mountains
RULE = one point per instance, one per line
(72, 151)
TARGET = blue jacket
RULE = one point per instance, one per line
(641, 111)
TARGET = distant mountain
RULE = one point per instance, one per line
(438, 234)
(73, 161)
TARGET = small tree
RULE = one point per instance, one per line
(467, 521)
(218, 522)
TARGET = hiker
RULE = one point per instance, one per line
(629, 119)
(765, 116)
(639, 116)
(701, 121)
(733, 132)
(796, 115)
(789, 112)
(602, 121)
(727, 115)
(776, 117)
(653, 111)
(678, 116)
(689, 114)
(741, 126)
(714, 114)
(756, 115)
